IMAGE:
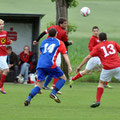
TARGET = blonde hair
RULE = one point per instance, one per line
(1, 21)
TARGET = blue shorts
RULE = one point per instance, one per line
(43, 72)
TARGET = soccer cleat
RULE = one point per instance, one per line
(2, 90)
(58, 92)
(108, 86)
(27, 102)
(40, 92)
(46, 88)
(96, 104)
(71, 82)
(54, 97)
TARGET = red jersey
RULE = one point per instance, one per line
(107, 51)
(3, 42)
(61, 34)
(93, 42)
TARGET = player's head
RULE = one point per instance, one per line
(95, 30)
(1, 24)
(52, 32)
(102, 36)
(62, 22)
(9, 50)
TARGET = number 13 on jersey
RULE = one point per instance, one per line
(111, 50)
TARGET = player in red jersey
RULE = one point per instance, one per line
(107, 51)
(94, 61)
(4, 69)
(61, 35)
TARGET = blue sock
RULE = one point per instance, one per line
(49, 78)
(33, 92)
(58, 85)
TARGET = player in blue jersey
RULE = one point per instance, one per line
(49, 49)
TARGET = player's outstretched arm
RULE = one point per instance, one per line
(68, 62)
(83, 62)
(35, 42)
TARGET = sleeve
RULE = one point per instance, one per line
(91, 44)
(40, 36)
(94, 52)
(65, 37)
(117, 47)
(43, 33)
(62, 48)
(67, 43)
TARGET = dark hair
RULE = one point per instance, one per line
(61, 20)
(102, 36)
(52, 32)
(9, 48)
(95, 27)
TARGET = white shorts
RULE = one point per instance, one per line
(92, 63)
(3, 63)
(106, 75)
(58, 60)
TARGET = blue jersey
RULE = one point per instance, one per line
(49, 49)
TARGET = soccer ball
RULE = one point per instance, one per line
(21, 80)
(85, 11)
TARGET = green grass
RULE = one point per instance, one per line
(75, 103)
(104, 13)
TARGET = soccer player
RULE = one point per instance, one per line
(49, 49)
(107, 51)
(61, 35)
(4, 69)
(94, 61)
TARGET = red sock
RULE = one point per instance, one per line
(99, 94)
(2, 80)
(54, 81)
(106, 83)
(77, 76)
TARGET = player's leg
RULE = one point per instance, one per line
(4, 71)
(58, 73)
(106, 85)
(2, 80)
(80, 74)
(60, 83)
(58, 63)
(47, 81)
(90, 65)
(117, 73)
(99, 93)
(41, 77)
(34, 92)
(106, 75)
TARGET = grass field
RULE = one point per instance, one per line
(75, 104)
(76, 101)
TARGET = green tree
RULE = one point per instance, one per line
(62, 11)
